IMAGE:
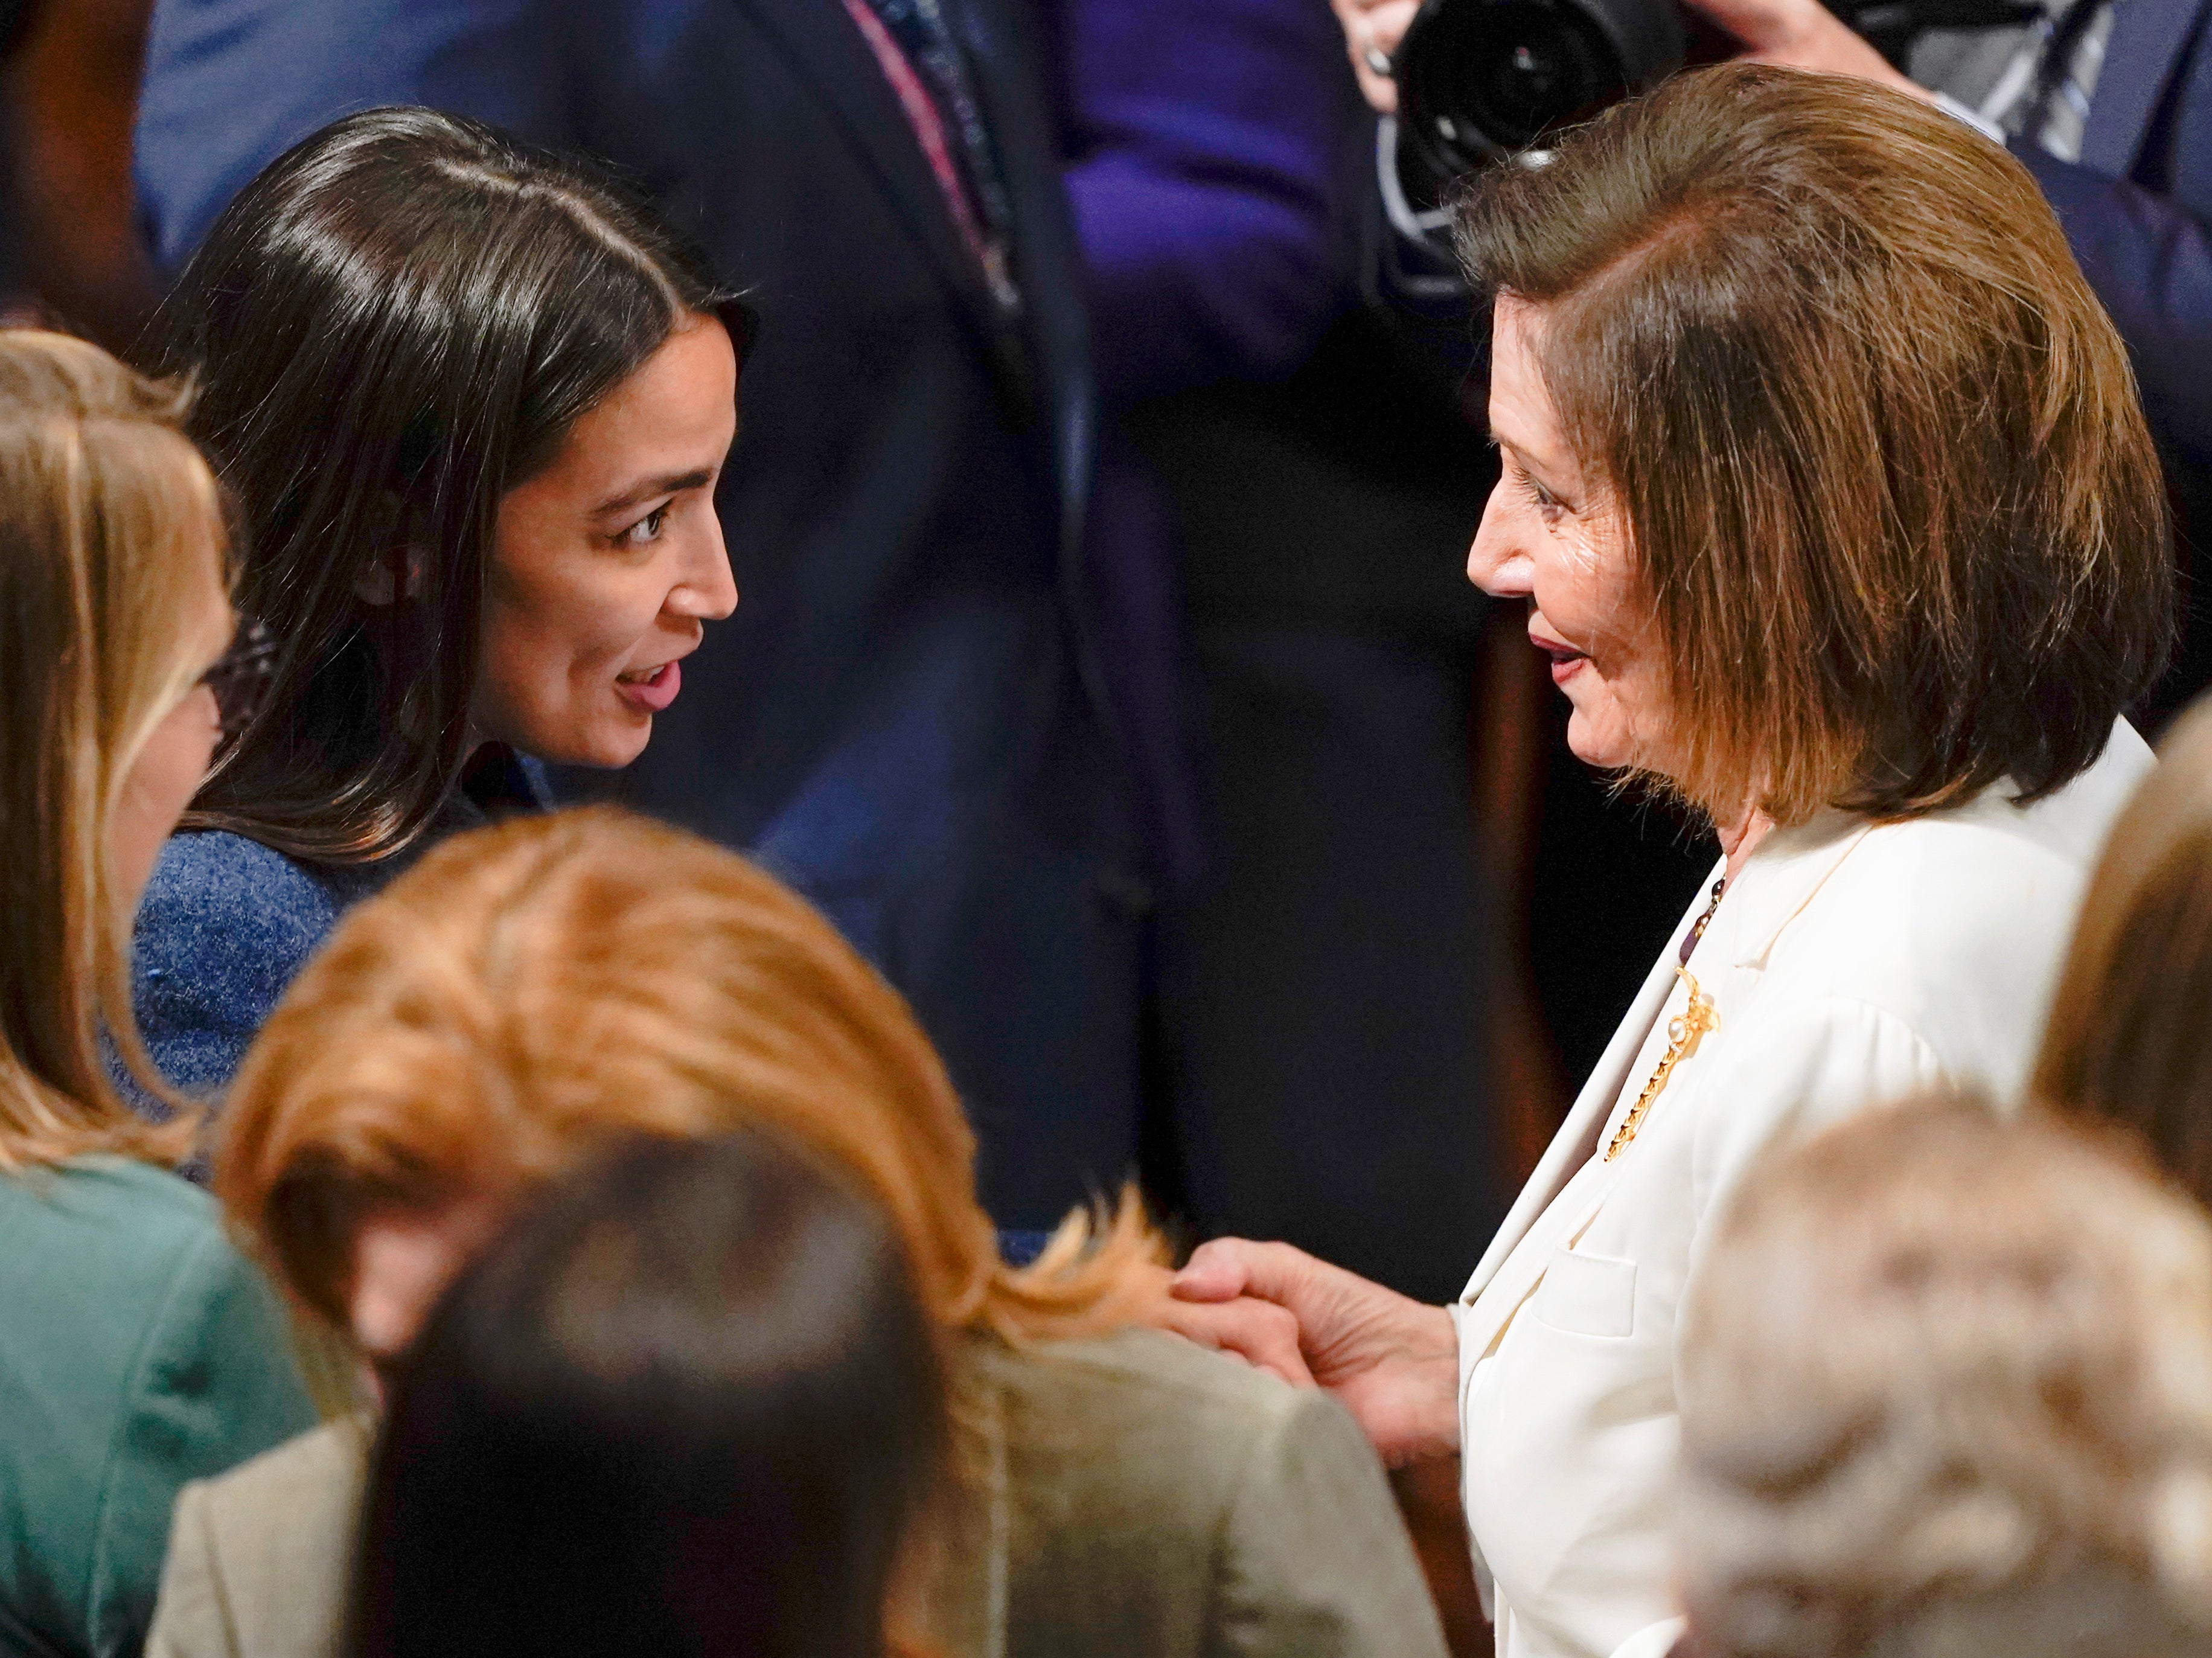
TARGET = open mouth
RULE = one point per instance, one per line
(1565, 660)
(651, 689)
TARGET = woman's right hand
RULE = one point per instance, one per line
(1392, 1362)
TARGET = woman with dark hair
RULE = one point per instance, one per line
(690, 1403)
(472, 397)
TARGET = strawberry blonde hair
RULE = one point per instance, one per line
(531, 994)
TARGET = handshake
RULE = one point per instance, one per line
(1392, 1362)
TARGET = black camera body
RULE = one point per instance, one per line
(1479, 80)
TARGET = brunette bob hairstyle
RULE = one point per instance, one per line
(1875, 447)
(2130, 1040)
(528, 994)
(394, 325)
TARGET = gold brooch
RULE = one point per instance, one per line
(1683, 1033)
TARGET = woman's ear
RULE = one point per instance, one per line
(395, 573)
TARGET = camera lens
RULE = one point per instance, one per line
(1478, 79)
(1533, 66)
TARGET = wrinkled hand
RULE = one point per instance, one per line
(1802, 34)
(1392, 1362)
(1375, 26)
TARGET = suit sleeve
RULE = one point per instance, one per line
(1209, 182)
(191, 1613)
(231, 84)
(2150, 262)
(215, 1384)
(1316, 1562)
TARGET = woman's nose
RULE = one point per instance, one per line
(708, 590)
(1496, 562)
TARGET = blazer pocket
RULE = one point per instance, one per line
(1587, 1294)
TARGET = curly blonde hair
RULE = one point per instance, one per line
(1946, 1386)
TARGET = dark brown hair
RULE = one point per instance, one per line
(690, 1403)
(394, 325)
(2129, 1038)
(1876, 446)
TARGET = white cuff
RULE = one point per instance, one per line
(1973, 118)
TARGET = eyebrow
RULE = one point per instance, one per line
(673, 483)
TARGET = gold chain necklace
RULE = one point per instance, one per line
(1683, 1032)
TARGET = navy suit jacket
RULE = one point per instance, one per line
(908, 715)
(2137, 208)
(947, 705)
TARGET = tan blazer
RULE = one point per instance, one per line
(1851, 962)
(1132, 1496)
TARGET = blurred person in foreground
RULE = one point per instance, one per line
(2128, 1040)
(2108, 104)
(1947, 1392)
(137, 1349)
(1827, 490)
(528, 994)
(688, 1403)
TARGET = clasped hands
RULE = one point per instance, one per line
(1802, 34)
(1391, 1361)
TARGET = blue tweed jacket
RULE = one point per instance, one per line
(226, 924)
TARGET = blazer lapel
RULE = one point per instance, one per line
(831, 56)
(1775, 885)
(2147, 40)
(1577, 1141)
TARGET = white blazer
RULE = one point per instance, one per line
(1850, 962)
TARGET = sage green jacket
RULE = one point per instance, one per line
(138, 1350)
(1132, 1496)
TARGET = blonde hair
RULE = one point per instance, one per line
(1886, 481)
(2129, 1038)
(109, 518)
(1939, 1366)
(531, 994)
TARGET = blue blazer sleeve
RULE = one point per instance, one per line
(1207, 171)
(2150, 262)
(225, 925)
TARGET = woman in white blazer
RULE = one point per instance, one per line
(1827, 486)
